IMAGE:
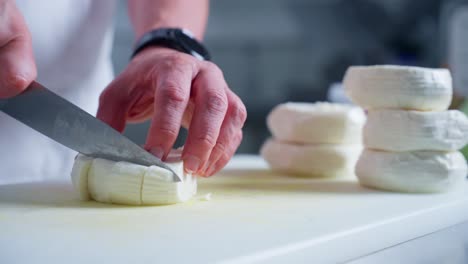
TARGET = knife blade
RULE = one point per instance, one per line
(69, 125)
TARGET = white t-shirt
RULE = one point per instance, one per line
(72, 42)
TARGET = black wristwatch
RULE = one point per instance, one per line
(173, 38)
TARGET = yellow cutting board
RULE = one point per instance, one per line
(254, 216)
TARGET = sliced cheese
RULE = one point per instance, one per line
(79, 176)
(413, 172)
(398, 130)
(131, 184)
(116, 182)
(317, 160)
(158, 187)
(317, 123)
(390, 86)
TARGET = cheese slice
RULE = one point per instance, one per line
(131, 184)
(389, 86)
(313, 160)
(158, 187)
(79, 176)
(317, 123)
(413, 172)
(398, 130)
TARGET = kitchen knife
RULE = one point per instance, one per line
(62, 121)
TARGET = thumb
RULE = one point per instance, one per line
(18, 68)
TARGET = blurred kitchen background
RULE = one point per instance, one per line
(273, 51)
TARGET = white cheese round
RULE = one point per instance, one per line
(131, 184)
(317, 160)
(398, 130)
(317, 123)
(413, 172)
(390, 86)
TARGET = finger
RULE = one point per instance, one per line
(226, 156)
(113, 105)
(170, 100)
(141, 111)
(209, 91)
(188, 114)
(18, 68)
(232, 124)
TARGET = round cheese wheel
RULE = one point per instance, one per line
(413, 172)
(317, 160)
(398, 130)
(389, 86)
(131, 184)
(317, 123)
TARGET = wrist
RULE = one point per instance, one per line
(181, 40)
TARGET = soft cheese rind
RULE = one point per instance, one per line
(413, 172)
(317, 160)
(323, 123)
(398, 130)
(391, 86)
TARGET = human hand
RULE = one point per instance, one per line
(17, 66)
(175, 89)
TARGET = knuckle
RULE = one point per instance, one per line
(13, 26)
(220, 147)
(239, 113)
(217, 103)
(206, 141)
(213, 69)
(167, 132)
(173, 93)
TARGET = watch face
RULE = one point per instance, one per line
(192, 45)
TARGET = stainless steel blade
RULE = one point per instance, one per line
(62, 121)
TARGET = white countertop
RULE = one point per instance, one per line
(254, 216)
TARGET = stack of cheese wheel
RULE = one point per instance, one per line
(411, 140)
(321, 139)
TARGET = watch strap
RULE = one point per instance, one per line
(173, 38)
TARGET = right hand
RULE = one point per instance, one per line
(17, 66)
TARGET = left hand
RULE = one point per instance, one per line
(175, 89)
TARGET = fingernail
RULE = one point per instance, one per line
(204, 168)
(158, 152)
(211, 171)
(192, 164)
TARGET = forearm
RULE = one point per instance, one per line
(146, 15)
